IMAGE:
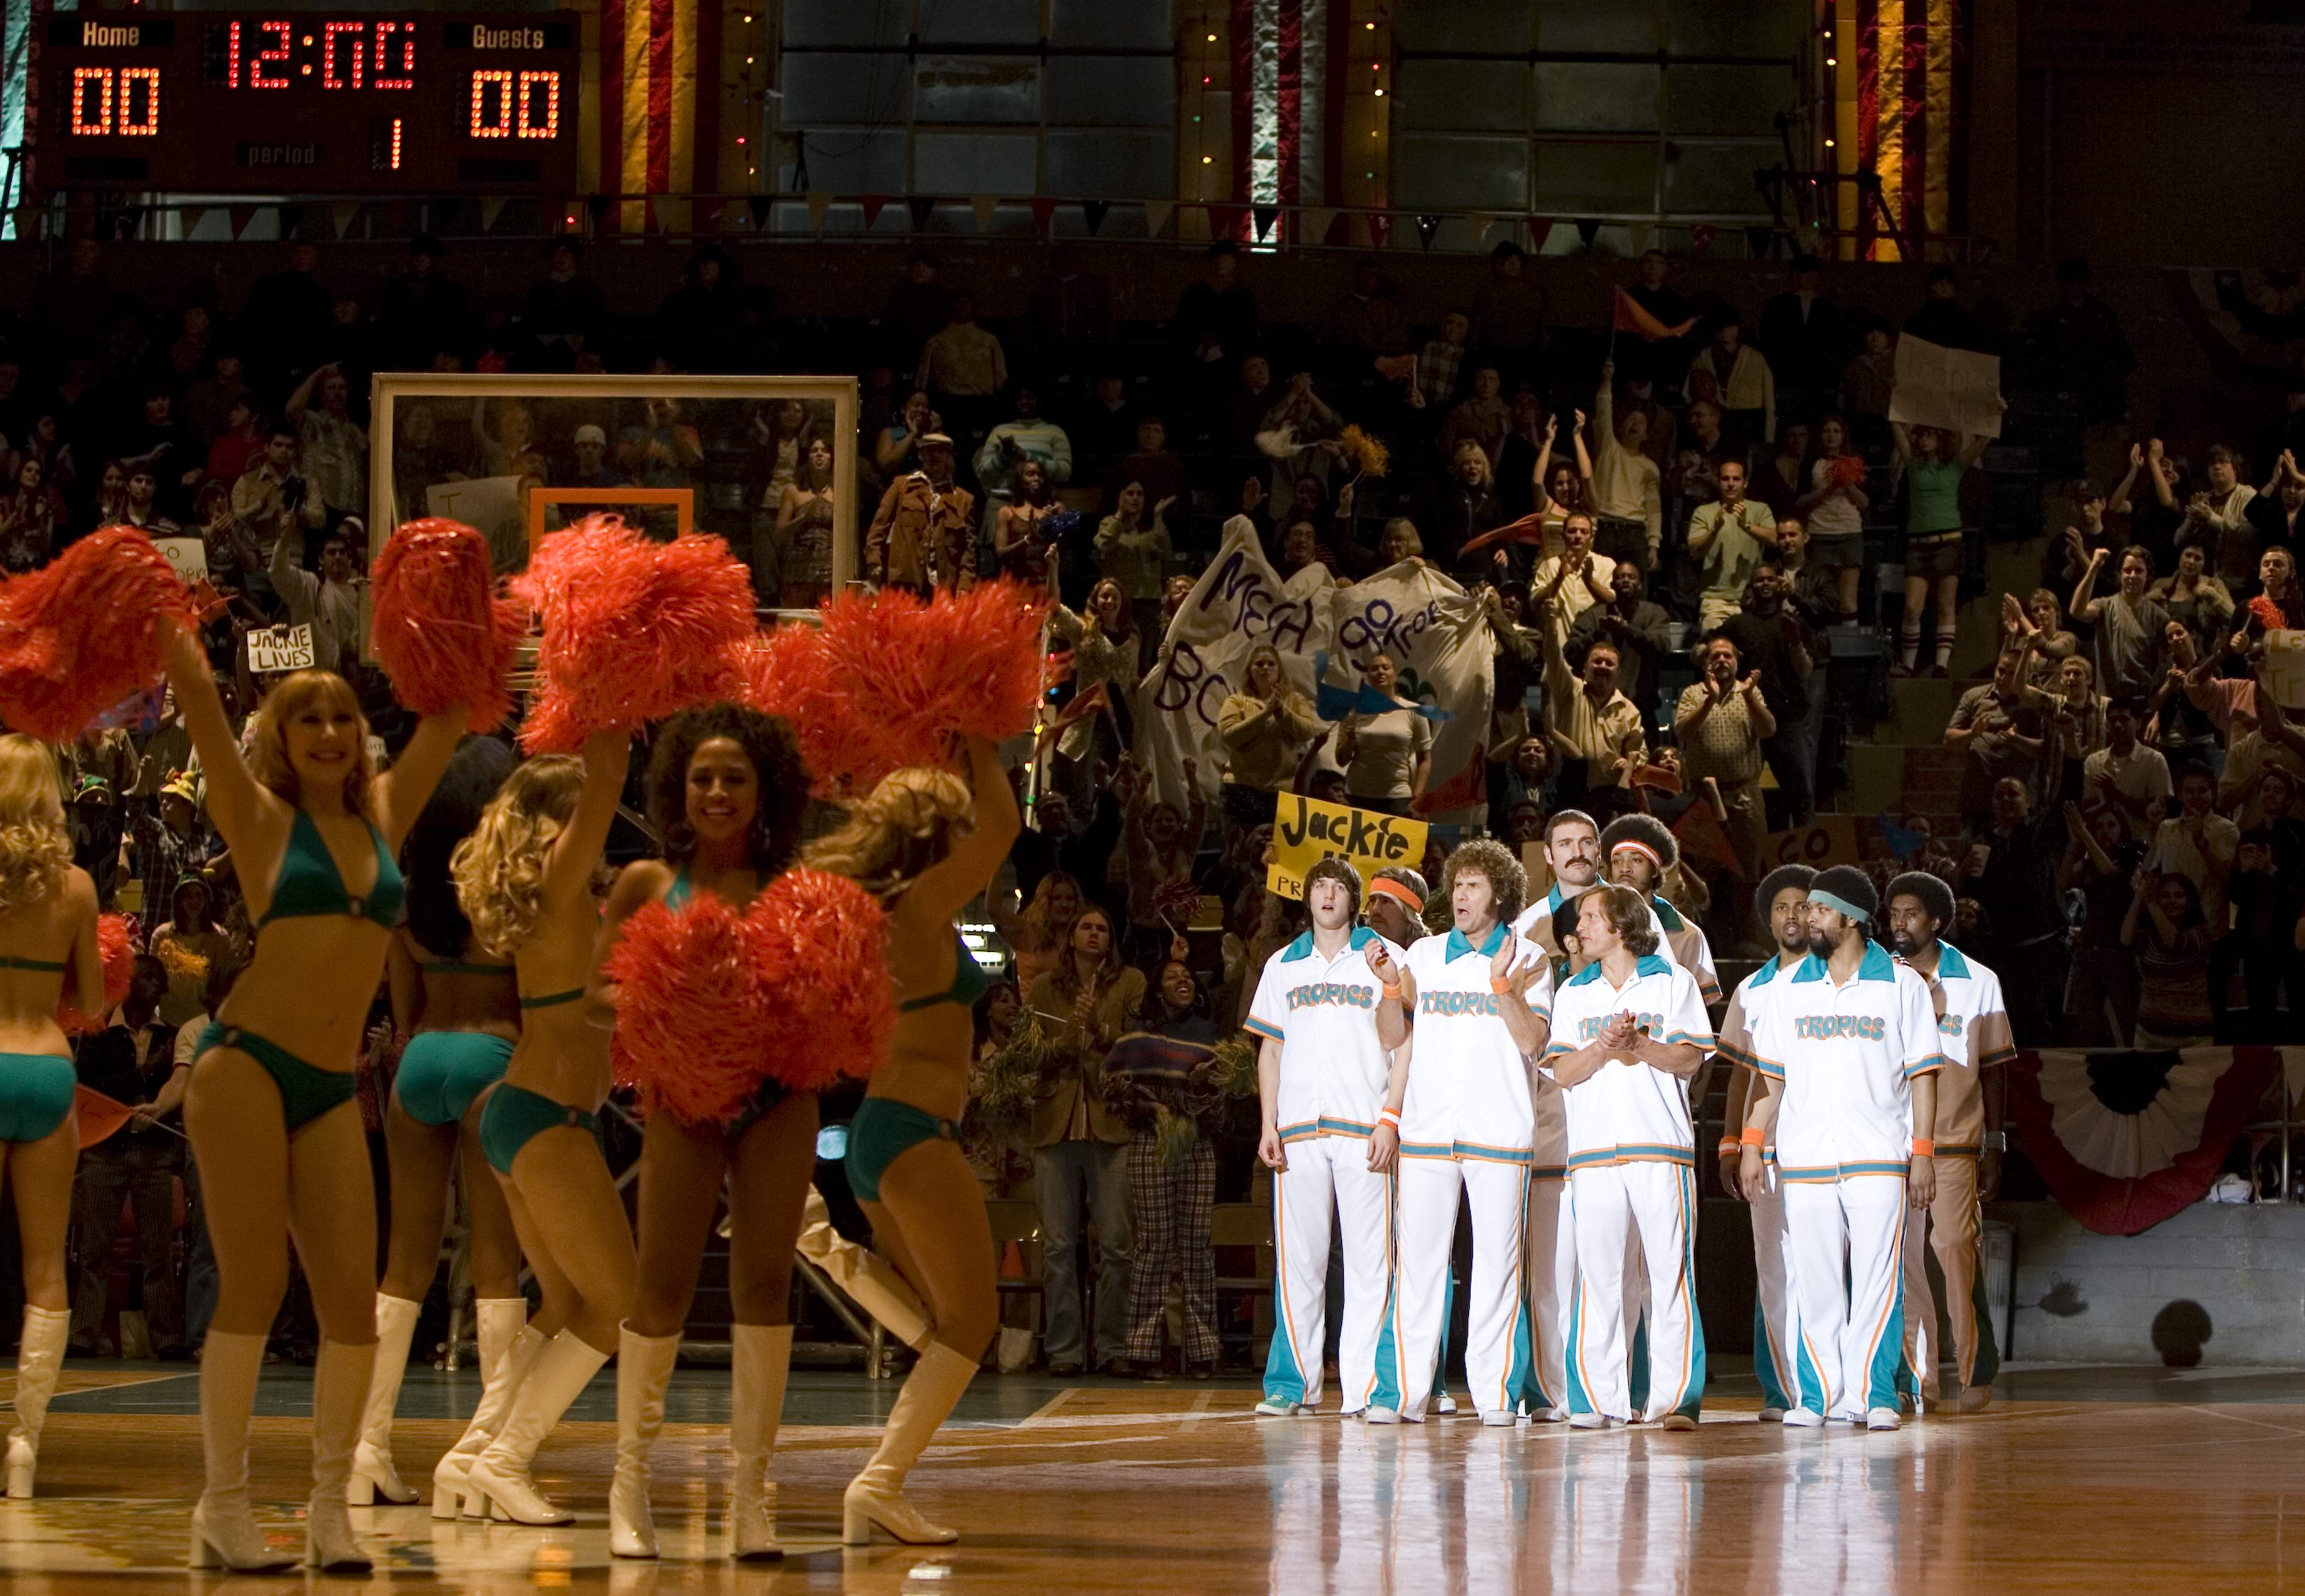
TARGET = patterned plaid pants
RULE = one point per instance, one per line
(1171, 1203)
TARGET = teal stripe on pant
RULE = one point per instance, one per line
(1579, 1400)
(1284, 1381)
(1888, 1365)
(1988, 1343)
(1692, 1396)
(1766, 1362)
(1386, 1392)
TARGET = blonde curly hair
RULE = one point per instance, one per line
(268, 753)
(910, 821)
(35, 848)
(499, 868)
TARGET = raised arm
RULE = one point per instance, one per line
(405, 983)
(2083, 607)
(942, 889)
(239, 805)
(402, 791)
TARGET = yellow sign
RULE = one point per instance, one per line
(1306, 831)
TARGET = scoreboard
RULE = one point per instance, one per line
(272, 103)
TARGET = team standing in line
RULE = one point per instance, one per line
(1537, 1066)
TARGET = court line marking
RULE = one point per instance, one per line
(1040, 1416)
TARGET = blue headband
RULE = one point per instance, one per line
(1819, 895)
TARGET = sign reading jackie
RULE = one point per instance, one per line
(1306, 831)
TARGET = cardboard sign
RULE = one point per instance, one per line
(2282, 672)
(1306, 831)
(280, 648)
(1953, 389)
(188, 557)
(1831, 840)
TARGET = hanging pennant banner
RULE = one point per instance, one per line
(1481, 221)
(344, 213)
(1093, 212)
(1045, 213)
(1380, 227)
(872, 204)
(490, 209)
(1224, 220)
(1265, 217)
(819, 203)
(1427, 225)
(758, 204)
(1640, 233)
(1312, 227)
(1540, 228)
(1701, 236)
(1157, 213)
(290, 217)
(923, 207)
(983, 204)
(189, 217)
(1588, 228)
(241, 216)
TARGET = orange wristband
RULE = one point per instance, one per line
(1499, 987)
(1391, 990)
(1729, 1144)
(1750, 1136)
(1923, 1148)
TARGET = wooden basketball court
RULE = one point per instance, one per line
(2075, 1479)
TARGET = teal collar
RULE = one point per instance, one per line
(1459, 947)
(1649, 963)
(1667, 915)
(1950, 965)
(1302, 949)
(1877, 966)
(1770, 968)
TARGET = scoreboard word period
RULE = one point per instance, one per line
(256, 102)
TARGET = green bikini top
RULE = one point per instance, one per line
(310, 887)
(969, 982)
(679, 892)
(37, 966)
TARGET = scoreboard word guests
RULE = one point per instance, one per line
(228, 102)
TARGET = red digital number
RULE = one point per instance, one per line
(148, 78)
(256, 78)
(492, 112)
(231, 70)
(388, 35)
(330, 32)
(85, 80)
(539, 105)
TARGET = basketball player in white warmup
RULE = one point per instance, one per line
(1328, 1011)
(1629, 1032)
(1480, 997)
(1783, 904)
(1850, 1058)
(1973, 1030)
(1640, 850)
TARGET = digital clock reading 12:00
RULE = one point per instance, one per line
(310, 103)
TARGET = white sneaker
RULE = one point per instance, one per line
(1549, 1416)
(1677, 1422)
(1279, 1408)
(1883, 1418)
(1773, 1415)
(1590, 1421)
(1802, 1418)
(1498, 1418)
(1381, 1416)
(1444, 1404)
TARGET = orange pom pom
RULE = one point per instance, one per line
(820, 942)
(443, 635)
(83, 633)
(693, 1027)
(887, 681)
(115, 940)
(634, 630)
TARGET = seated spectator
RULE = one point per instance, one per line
(1832, 507)
(1161, 474)
(1627, 490)
(1784, 477)
(2129, 646)
(1366, 318)
(1728, 539)
(2039, 627)
(2167, 930)
(589, 446)
(1387, 756)
(2281, 596)
(2001, 735)
(1022, 538)
(207, 401)
(2100, 863)
(140, 507)
(2217, 522)
(1815, 595)
(1265, 727)
(2198, 843)
(1635, 627)
(31, 518)
(896, 449)
(238, 447)
(1598, 734)
(1934, 524)
(2180, 728)
(2069, 558)
(2126, 778)
(1736, 376)
(1029, 436)
(963, 366)
(2257, 746)
(189, 943)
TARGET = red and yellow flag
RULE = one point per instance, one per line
(659, 135)
(1911, 66)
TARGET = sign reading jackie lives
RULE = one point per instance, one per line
(1306, 831)
(299, 102)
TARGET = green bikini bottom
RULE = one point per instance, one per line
(441, 1071)
(883, 1128)
(516, 1116)
(37, 1091)
(307, 1091)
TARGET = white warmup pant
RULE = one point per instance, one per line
(1328, 1175)
(1772, 1298)
(1497, 1324)
(1613, 1202)
(1552, 1269)
(1851, 1338)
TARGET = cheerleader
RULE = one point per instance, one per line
(280, 1147)
(727, 791)
(456, 1017)
(927, 841)
(525, 879)
(48, 938)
